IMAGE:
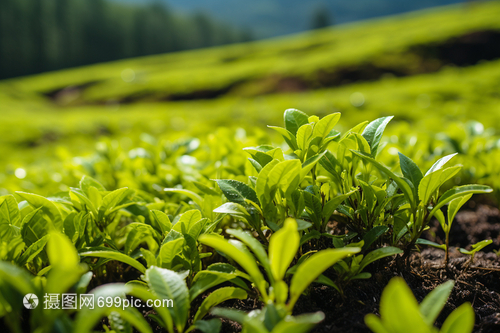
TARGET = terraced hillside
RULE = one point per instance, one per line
(429, 68)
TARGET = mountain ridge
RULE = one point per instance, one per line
(269, 18)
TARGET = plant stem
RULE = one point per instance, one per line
(446, 253)
(313, 171)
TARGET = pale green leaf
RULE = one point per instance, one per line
(216, 297)
(283, 246)
(313, 267)
(434, 302)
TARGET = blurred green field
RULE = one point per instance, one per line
(390, 66)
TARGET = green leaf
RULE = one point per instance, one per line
(111, 200)
(304, 136)
(32, 251)
(197, 228)
(9, 231)
(270, 316)
(434, 302)
(294, 119)
(455, 206)
(234, 209)
(299, 324)
(422, 241)
(372, 235)
(440, 163)
(47, 206)
(75, 225)
(61, 251)
(262, 188)
(148, 256)
(303, 225)
(287, 135)
(255, 246)
(169, 250)
(236, 191)
(113, 255)
(139, 233)
(309, 164)
(205, 189)
(307, 236)
(34, 227)
(187, 220)
(477, 247)
(172, 235)
(167, 284)
(216, 297)
(208, 326)
(326, 124)
(283, 246)
(410, 170)
(330, 163)
(282, 175)
(82, 198)
(117, 323)
(9, 211)
(65, 263)
(362, 144)
(373, 133)
(259, 154)
(86, 182)
(457, 192)
(378, 254)
(17, 277)
(86, 318)
(402, 184)
(399, 309)
(162, 220)
(461, 320)
(433, 181)
(375, 324)
(332, 204)
(311, 268)
(313, 208)
(231, 314)
(438, 214)
(243, 258)
(143, 293)
(190, 194)
(214, 275)
(255, 164)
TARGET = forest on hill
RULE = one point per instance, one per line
(269, 18)
(43, 35)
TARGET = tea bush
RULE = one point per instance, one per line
(211, 221)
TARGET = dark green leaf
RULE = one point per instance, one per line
(294, 119)
(410, 170)
(372, 235)
(373, 133)
(236, 191)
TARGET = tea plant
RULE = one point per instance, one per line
(65, 274)
(162, 284)
(399, 310)
(325, 201)
(271, 320)
(421, 193)
(476, 248)
(283, 247)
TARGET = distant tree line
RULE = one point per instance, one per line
(42, 35)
